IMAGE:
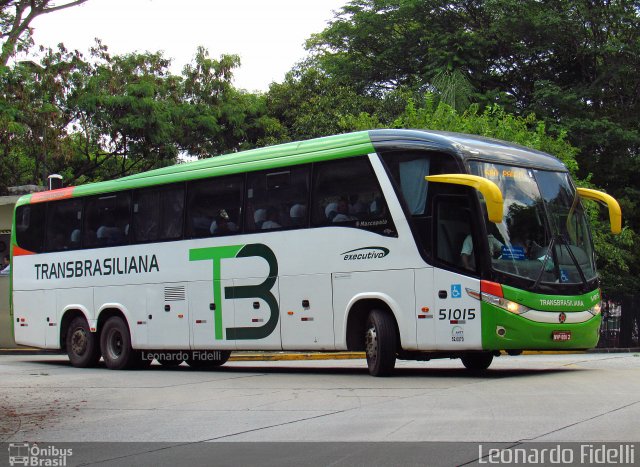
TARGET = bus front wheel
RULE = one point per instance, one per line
(115, 343)
(82, 345)
(477, 361)
(380, 343)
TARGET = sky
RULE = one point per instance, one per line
(268, 35)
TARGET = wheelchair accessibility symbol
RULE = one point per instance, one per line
(456, 290)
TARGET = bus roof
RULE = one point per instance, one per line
(467, 147)
(315, 150)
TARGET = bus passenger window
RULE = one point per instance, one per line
(107, 220)
(214, 205)
(158, 214)
(346, 193)
(30, 226)
(277, 199)
(64, 220)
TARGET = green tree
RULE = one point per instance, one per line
(309, 103)
(214, 117)
(109, 116)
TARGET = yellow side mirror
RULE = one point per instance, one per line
(615, 213)
(490, 191)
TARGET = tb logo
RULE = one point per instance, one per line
(262, 291)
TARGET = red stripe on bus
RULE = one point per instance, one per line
(61, 193)
(17, 251)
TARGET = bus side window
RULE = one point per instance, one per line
(277, 199)
(346, 193)
(30, 220)
(214, 206)
(64, 221)
(158, 214)
(107, 220)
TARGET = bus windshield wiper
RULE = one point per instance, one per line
(563, 242)
(544, 262)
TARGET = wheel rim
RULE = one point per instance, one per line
(79, 341)
(371, 344)
(115, 344)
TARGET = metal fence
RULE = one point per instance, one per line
(620, 322)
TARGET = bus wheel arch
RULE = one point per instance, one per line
(82, 345)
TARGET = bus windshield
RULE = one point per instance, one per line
(544, 234)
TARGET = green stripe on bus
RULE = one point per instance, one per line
(282, 155)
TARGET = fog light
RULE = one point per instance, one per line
(501, 331)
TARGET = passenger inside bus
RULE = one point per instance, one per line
(273, 219)
(222, 225)
(298, 214)
(342, 211)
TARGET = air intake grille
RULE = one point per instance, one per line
(174, 294)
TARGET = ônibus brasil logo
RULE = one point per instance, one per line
(262, 291)
(368, 252)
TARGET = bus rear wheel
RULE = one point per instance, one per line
(208, 359)
(82, 345)
(380, 343)
(477, 361)
(115, 343)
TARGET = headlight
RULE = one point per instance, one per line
(505, 304)
(595, 309)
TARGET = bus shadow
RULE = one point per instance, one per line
(398, 372)
(301, 369)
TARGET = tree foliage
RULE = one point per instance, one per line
(106, 116)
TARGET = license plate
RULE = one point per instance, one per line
(561, 336)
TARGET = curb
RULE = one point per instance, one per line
(271, 357)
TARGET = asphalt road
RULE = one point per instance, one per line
(530, 398)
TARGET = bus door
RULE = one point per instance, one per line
(455, 241)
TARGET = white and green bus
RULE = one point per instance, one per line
(401, 243)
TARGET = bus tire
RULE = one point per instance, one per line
(207, 362)
(381, 343)
(115, 343)
(477, 361)
(82, 345)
